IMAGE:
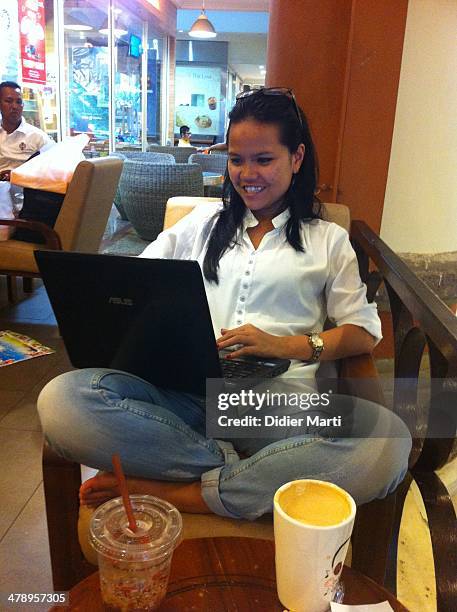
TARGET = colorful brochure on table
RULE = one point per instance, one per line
(17, 347)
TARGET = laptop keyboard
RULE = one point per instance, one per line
(233, 368)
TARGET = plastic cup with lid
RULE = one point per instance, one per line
(135, 566)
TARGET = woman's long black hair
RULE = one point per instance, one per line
(277, 110)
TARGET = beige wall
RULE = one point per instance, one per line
(420, 208)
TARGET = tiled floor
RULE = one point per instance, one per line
(24, 554)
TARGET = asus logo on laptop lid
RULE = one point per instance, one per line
(120, 301)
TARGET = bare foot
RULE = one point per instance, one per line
(103, 487)
(186, 496)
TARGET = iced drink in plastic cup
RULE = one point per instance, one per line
(134, 567)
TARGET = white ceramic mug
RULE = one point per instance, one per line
(310, 556)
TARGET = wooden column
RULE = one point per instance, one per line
(307, 43)
(343, 58)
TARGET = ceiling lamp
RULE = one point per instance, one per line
(72, 23)
(118, 32)
(118, 29)
(202, 27)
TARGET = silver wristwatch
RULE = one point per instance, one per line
(317, 344)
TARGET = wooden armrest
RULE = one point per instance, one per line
(51, 236)
(359, 366)
(359, 377)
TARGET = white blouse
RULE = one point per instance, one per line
(274, 287)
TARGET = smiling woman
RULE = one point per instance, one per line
(271, 168)
(273, 272)
(262, 172)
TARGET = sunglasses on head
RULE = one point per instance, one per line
(273, 91)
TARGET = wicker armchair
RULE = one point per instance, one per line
(146, 156)
(141, 156)
(211, 163)
(145, 189)
(181, 154)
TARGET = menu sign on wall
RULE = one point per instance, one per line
(198, 96)
(32, 45)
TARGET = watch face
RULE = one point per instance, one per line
(317, 344)
(317, 341)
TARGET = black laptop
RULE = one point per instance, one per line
(149, 317)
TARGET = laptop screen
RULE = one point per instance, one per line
(149, 317)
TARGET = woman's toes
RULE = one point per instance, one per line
(98, 489)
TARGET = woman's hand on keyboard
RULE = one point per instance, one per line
(252, 341)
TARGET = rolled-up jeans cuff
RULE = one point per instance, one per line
(210, 481)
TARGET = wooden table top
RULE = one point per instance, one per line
(221, 574)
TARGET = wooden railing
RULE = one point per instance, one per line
(420, 321)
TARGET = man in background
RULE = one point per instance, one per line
(19, 140)
(184, 136)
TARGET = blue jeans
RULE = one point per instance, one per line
(89, 414)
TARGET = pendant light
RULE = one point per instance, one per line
(118, 31)
(202, 27)
(75, 24)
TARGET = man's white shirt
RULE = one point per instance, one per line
(17, 147)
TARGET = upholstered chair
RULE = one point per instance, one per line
(79, 226)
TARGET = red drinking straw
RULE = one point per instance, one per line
(116, 460)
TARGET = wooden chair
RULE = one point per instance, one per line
(62, 479)
(372, 532)
(421, 322)
(79, 226)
